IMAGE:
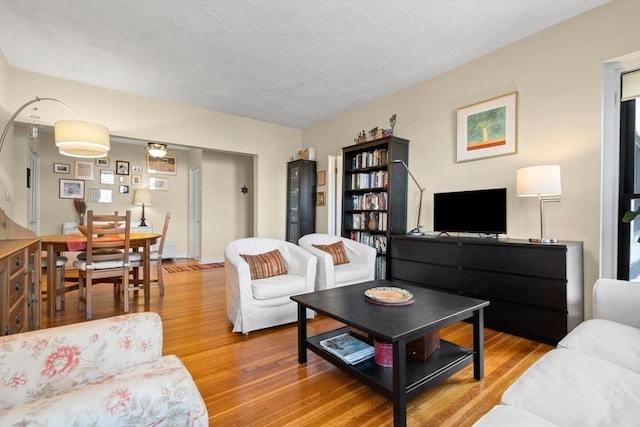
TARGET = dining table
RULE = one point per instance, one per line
(56, 244)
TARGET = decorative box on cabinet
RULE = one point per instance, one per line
(536, 290)
(301, 199)
(374, 204)
(20, 265)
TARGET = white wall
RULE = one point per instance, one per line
(228, 211)
(558, 76)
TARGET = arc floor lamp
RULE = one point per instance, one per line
(416, 231)
(74, 138)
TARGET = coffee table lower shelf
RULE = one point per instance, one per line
(444, 362)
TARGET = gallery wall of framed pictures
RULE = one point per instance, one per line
(113, 176)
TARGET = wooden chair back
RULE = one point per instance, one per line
(167, 218)
(108, 237)
(107, 256)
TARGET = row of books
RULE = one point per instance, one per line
(370, 159)
(369, 201)
(365, 220)
(374, 240)
(377, 179)
(348, 348)
(381, 267)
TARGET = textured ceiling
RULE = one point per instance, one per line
(292, 62)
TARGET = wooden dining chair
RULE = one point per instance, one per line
(154, 256)
(63, 284)
(106, 259)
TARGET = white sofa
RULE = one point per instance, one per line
(107, 372)
(592, 378)
(360, 268)
(262, 303)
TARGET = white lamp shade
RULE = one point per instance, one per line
(142, 196)
(538, 181)
(76, 138)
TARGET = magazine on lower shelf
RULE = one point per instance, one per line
(348, 348)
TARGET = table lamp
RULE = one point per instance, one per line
(416, 231)
(142, 197)
(544, 183)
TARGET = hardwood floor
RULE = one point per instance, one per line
(255, 379)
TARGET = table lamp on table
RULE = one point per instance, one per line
(544, 183)
(142, 197)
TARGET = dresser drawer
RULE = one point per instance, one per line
(17, 261)
(531, 322)
(538, 291)
(17, 318)
(528, 260)
(16, 288)
(437, 276)
(425, 250)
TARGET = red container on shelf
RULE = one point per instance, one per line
(383, 353)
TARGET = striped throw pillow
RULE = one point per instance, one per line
(266, 265)
(337, 252)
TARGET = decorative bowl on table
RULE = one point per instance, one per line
(389, 295)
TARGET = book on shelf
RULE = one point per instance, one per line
(348, 348)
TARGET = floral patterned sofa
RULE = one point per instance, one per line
(107, 372)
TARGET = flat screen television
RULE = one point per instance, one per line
(476, 211)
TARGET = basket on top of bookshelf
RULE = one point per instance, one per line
(374, 204)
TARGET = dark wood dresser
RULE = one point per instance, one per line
(536, 290)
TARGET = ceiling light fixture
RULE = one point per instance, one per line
(74, 138)
(157, 150)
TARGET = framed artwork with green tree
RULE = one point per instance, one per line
(488, 128)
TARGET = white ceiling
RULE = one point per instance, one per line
(289, 62)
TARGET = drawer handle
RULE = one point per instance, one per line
(18, 262)
(18, 319)
(18, 286)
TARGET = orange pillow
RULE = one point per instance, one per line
(336, 250)
(266, 265)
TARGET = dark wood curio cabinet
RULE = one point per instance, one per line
(301, 199)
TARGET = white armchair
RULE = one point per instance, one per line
(360, 268)
(264, 302)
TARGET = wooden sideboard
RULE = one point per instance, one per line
(536, 290)
(20, 271)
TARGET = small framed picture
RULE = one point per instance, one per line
(124, 189)
(136, 179)
(100, 195)
(322, 178)
(107, 176)
(321, 198)
(158, 184)
(136, 169)
(84, 170)
(103, 161)
(123, 179)
(71, 189)
(61, 168)
(166, 165)
(122, 167)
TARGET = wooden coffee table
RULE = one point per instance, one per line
(431, 311)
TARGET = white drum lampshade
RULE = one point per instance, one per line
(77, 138)
(543, 182)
